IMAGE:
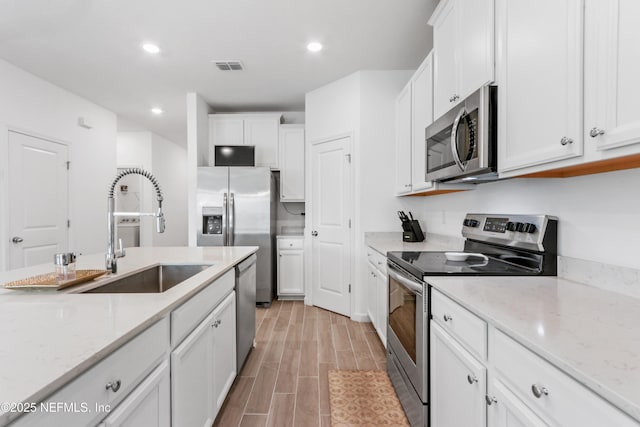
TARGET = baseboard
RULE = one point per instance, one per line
(360, 317)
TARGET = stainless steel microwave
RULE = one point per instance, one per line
(462, 144)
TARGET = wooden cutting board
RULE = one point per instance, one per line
(48, 281)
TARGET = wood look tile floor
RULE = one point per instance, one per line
(284, 381)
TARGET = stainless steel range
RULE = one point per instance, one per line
(495, 245)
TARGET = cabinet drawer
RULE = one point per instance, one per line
(127, 366)
(376, 259)
(465, 326)
(552, 394)
(186, 317)
(291, 243)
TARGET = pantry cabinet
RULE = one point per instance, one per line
(403, 141)
(259, 129)
(291, 152)
(540, 81)
(463, 49)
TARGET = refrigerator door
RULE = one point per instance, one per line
(212, 197)
(252, 221)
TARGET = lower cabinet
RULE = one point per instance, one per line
(506, 410)
(149, 405)
(458, 383)
(203, 368)
(377, 293)
(290, 266)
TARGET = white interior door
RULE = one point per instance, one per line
(38, 200)
(331, 234)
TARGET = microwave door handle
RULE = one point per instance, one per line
(415, 287)
(454, 137)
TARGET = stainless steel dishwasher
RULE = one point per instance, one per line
(245, 308)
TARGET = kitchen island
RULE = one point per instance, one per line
(50, 338)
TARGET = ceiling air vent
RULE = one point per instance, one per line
(228, 65)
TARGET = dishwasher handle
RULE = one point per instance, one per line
(246, 264)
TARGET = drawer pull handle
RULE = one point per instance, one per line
(472, 379)
(490, 399)
(114, 385)
(446, 317)
(539, 391)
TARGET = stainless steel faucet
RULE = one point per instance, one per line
(113, 254)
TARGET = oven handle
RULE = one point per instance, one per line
(415, 287)
(454, 137)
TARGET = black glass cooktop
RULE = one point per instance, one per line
(422, 264)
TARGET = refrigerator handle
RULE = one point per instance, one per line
(232, 218)
(224, 220)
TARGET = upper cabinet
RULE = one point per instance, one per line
(403, 141)
(259, 129)
(291, 163)
(539, 81)
(463, 50)
(421, 117)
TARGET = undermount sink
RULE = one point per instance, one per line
(153, 280)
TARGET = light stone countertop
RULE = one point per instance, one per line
(590, 333)
(50, 337)
(384, 242)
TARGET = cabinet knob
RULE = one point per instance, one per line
(446, 317)
(490, 400)
(472, 379)
(314, 233)
(595, 132)
(17, 239)
(539, 391)
(113, 385)
(565, 140)
(216, 323)
(407, 185)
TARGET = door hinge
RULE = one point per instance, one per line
(349, 287)
(348, 156)
(68, 223)
(349, 222)
(68, 163)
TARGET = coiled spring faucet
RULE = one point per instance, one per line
(112, 253)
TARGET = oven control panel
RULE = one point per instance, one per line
(524, 231)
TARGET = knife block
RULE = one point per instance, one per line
(411, 231)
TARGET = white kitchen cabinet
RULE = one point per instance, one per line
(377, 292)
(224, 349)
(463, 46)
(506, 410)
(149, 405)
(290, 265)
(612, 92)
(421, 117)
(259, 129)
(372, 294)
(203, 367)
(383, 310)
(458, 383)
(403, 141)
(540, 79)
(291, 163)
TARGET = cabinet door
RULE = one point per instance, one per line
(148, 405)
(292, 163)
(506, 410)
(421, 117)
(263, 133)
(290, 272)
(224, 349)
(224, 130)
(383, 308)
(191, 378)
(372, 295)
(458, 383)
(612, 91)
(540, 81)
(475, 45)
(403, 141)
(444, 60)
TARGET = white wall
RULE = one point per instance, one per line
(167, 161)
(32, 105)
(599, 215)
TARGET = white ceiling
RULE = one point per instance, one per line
(92, 48)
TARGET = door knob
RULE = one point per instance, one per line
(314, 233)
(17, 239)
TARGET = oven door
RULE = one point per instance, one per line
(408, 325)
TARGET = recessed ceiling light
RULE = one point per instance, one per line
(314, 47)
(151, 48)
(157, 111)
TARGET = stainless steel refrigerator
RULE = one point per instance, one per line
(237, 207)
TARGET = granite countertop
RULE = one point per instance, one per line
(590, 333)
(384, 242)
(50, 337)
